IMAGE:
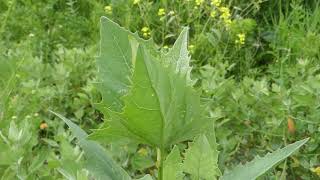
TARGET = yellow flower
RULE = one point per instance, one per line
(145, 32)
(165, 47)
(108, 9)
(241, 38)
(225, 16)
(199, 2)
(191, 47)
(225, 13)
(216, 3)
(213, 13)
(224, 9)
(316, 170)
(136, 1)
(145, 29)
(161, 12)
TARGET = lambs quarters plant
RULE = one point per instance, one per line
(148, 97)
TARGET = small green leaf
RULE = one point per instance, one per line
(140, 162)
(50, 142)
(14, 132)
(146, 177)
(201, 160)
(82, 175)
(172, 169)
(259, 166)
(38, 161)
(7, 156)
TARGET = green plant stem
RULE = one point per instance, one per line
(161, 157)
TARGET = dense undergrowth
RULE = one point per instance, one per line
(256, 64)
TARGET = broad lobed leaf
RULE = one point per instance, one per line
(161, 107)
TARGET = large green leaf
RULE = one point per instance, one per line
(161, 107)
(115, 63)
(97, 160)
(201, 160)
(172, 169)
(259, 166)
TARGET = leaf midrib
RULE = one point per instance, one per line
(158, 100)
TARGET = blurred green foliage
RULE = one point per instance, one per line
(47, 54)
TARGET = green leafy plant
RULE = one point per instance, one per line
(29, 150)
(148, 97)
